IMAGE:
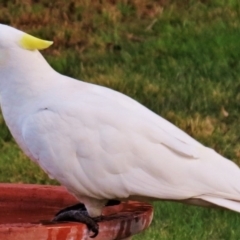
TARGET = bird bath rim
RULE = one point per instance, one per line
(26, 211)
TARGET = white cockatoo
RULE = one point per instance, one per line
(99, 143)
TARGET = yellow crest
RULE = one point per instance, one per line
(32, 43)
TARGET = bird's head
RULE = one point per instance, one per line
(20, 59)
(11, 38)
(19, 55)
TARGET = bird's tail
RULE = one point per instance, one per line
(224, 203)
(210, 201)
(222, 178)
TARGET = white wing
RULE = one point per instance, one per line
(104, 145)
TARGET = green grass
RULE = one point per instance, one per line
(179, 58)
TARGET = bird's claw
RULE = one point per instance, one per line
(78, 216)
(78, 213)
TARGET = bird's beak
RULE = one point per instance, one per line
(32, 43)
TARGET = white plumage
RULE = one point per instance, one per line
(101, 144)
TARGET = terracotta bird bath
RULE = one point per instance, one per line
(26, 212)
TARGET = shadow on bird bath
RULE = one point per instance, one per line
(26, 211)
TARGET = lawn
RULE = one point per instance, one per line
(178, 58)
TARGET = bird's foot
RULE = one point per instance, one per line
(78, 213)
(78, 206)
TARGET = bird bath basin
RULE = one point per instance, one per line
(26, 211)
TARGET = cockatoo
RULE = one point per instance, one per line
(101, 144)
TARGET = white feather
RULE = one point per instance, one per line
(101, 144)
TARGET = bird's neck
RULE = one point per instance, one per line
(24, 74)
(24, 78)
